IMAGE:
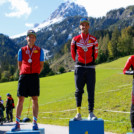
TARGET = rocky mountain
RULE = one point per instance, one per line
(68, 9)
(65, 10)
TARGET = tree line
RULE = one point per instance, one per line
(11, 72)
(115, 44)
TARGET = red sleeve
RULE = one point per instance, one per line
(128, 65)
(73, 49)
(96, 50)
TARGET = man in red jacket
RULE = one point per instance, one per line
(129, 70)
(30, 64)
(84, 51)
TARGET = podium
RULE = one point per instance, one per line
(86, 126)
(28, 131)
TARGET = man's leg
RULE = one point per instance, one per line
(90, 79)
(79, 84)
(132, 109)
(7, 114)
(19, 106)
(35, 106)
(35, 112)
(132, 117)
(18, 113)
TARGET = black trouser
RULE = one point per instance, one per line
(9, 112)
(1, 115)
(85, 76)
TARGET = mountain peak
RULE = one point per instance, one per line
(68, 9)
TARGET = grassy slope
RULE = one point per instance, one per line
(113, 92)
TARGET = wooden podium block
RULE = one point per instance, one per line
(28, 131)
(86, 127)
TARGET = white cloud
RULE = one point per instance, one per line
(19, 8)
(98, 8)
(30, 25)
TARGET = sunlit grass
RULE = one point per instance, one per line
(57, 102)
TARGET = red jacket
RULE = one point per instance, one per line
(84, 53)
(129, 64)
(34, 66)
(10, 103)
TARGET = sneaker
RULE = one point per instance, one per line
(92, 116)
(77, 117)
(35, 126)
(16, 128)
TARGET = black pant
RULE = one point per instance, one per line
(9, 112)
(85, 76)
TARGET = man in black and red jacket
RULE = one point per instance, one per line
(84, 51)
(129, 70)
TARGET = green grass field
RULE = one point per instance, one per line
(57, 102)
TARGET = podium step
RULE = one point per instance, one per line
(86, 127)
(28, 131)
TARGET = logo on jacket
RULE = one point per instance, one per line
(35, 51)
(89, 41)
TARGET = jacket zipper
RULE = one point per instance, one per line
(85, 58)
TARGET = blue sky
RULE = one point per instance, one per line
(17, 16)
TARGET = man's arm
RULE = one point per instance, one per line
(41, 60)
(127, 66)
(19, 65)
(19, 59)
(7, 103)
(73, 49)
(41, 65)
(96, 50)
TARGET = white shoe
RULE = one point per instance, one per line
(77, 117)
(92, 116)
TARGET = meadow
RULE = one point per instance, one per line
(57, 102)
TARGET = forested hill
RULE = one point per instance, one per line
(8, 50)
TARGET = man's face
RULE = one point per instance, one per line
(31, 39)
(84, 27)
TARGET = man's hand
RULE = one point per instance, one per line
(129, 72)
